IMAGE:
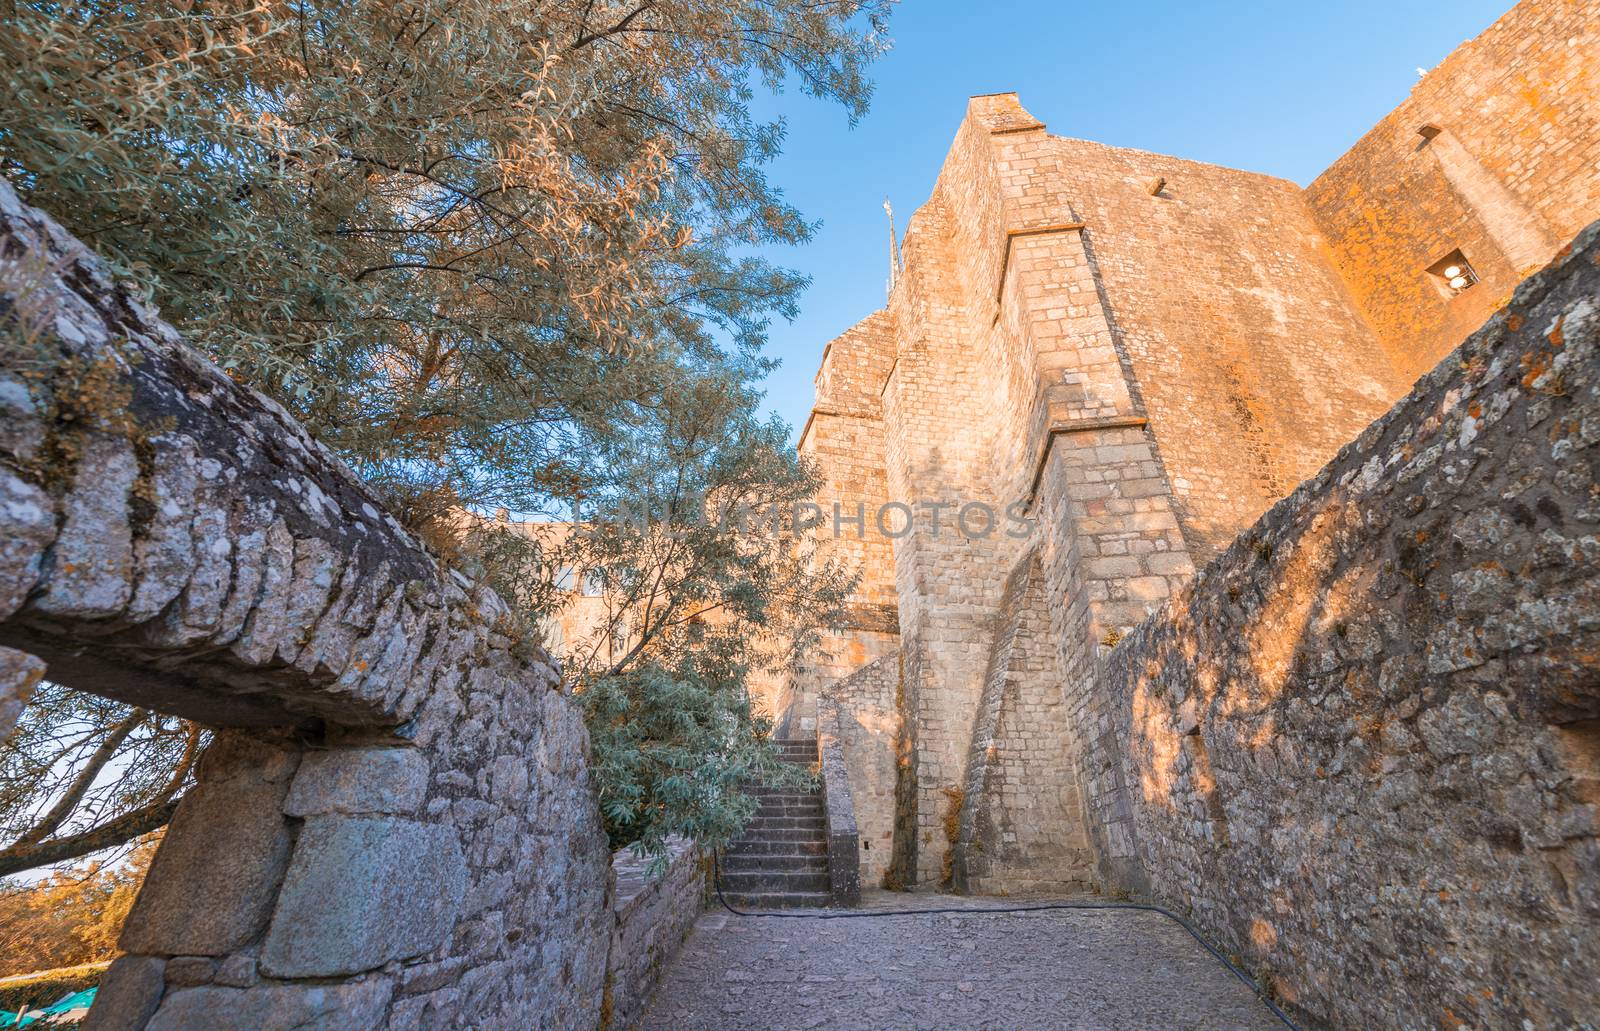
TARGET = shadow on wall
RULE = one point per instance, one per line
(1365, 741)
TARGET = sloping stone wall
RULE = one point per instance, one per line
(1363, 745)
(1021, 824)
(395, 827)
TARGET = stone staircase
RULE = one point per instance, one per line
(781, 861)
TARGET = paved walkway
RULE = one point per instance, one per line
(1009, 972)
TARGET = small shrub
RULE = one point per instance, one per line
(48, 986)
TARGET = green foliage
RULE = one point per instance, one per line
(460, 239)
(672, 749)
(47, 987)
(496, 254)
(699, 605)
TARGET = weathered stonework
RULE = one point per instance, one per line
(395, 827)
(654, 910)
(1020, 825)
(839, 813)
(861, 714)
(1363, 745)
(20, 673)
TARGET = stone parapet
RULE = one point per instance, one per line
(654, 906)
(395, 825)
(844, 840)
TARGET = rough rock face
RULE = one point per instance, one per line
(395, 827)
(1364, 743)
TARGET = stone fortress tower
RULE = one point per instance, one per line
(1129, 358)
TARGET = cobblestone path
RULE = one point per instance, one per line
(1009, 972)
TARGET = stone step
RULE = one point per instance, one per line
(779, 881)
(787, 835)
(789, 799)
(788, 795)
(784, 823)
(799, 807)
(777, 900)
(787, 813)
(754, 847)
(762, 791)
(743, 863)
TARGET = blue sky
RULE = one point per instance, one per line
(1276, 87)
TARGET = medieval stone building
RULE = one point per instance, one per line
(1096, 367)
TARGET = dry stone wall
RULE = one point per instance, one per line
(395, 827)
(655, 907)
(1363, 745)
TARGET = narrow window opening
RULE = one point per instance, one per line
(1428, 132)
(1453, 273)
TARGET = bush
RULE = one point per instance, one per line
(48, 986)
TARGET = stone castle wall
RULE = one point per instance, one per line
(1239, 342)
(947, 585)
(1137, 355)
(654, 910)
(1508, 178)
(1363, 745)
(845, 439)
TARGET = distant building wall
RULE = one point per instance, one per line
(1513, 173)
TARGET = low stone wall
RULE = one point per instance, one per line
(865, 720)
(1363, 745)
(653, 913)
(395, 826)
(838, 806)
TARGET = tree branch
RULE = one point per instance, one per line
(85, 779)
(115, 832)
(621, 26)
